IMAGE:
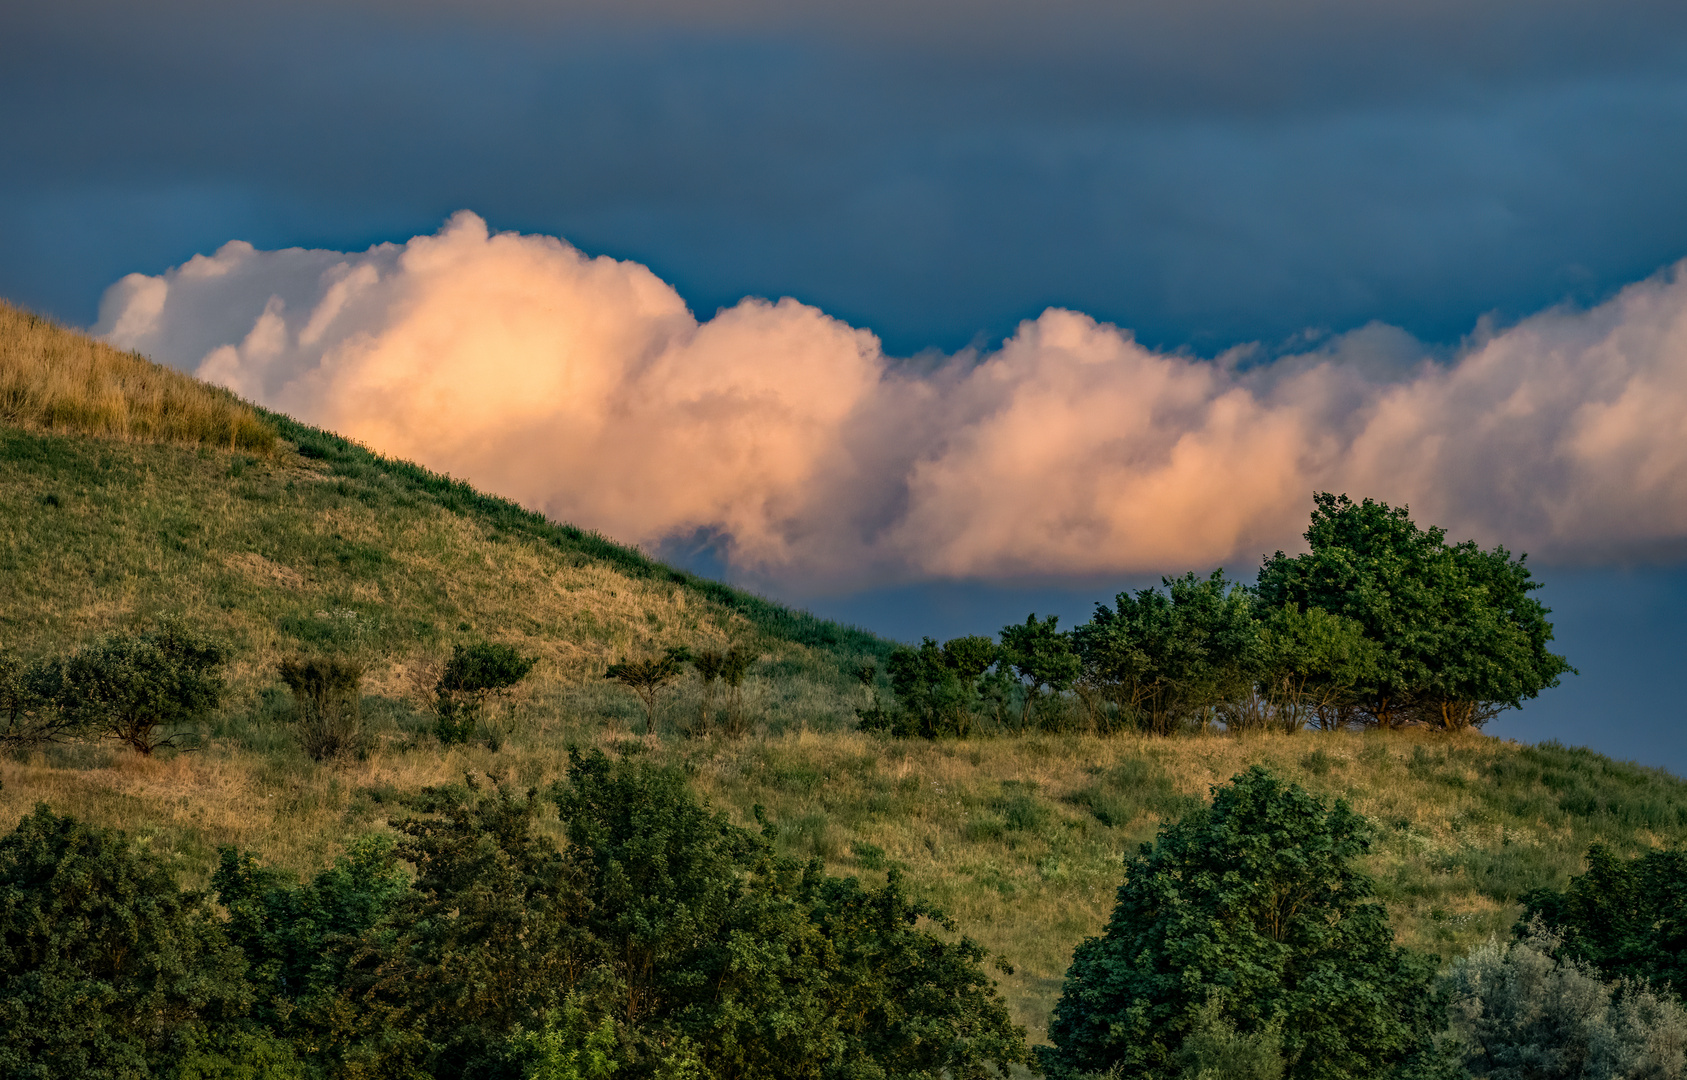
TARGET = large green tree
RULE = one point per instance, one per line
(1460, 638)
(1168, 658)
(1249, 916)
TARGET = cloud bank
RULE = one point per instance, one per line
(584, 387)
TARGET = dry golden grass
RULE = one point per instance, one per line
(53, 378)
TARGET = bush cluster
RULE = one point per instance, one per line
(1245, 945)
(1379, 623)
(659, 941)
(647, 677)
(142, 689)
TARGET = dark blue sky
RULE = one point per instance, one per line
(1205, 173)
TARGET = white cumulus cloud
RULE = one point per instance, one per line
(584, 387)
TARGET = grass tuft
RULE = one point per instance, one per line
(54, 379)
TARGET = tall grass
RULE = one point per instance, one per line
(54, 378)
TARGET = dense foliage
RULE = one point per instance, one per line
(1380, 623)
(107, 969)
(660, 941)
(1526, 1011)
(1251, 914)
(1165, 657)
(1460, 638)
(1627, 918)
(475, 673)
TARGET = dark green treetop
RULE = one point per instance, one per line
(1460, 637)
(1252, 908)
(762, 966)
(1168, 657)
(299, 940)
(1041, 656)
(107, 969)
(1627, 917)
(937, 687)
(1313, 665)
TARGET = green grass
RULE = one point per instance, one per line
(330, 548)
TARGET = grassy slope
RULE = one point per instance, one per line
(320, 544)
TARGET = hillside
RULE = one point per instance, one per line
(300, 541)
(286, 537)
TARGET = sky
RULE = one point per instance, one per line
(922, 314)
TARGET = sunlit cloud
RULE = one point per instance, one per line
(584, 387)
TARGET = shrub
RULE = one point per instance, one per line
(32, 704)
(1250, 913)
(936, 686)
(1627, 917)
(734, 665)
(474, 674)
(136, 687)
(107, 969)
(327, 716)
(1525, 1011)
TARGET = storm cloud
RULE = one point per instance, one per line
(585, 387)
(1208, 173)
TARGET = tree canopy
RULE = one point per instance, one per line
(1250, 913)
(1626, 917)
(1459, 637)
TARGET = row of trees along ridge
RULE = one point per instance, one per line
(1380, 623)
